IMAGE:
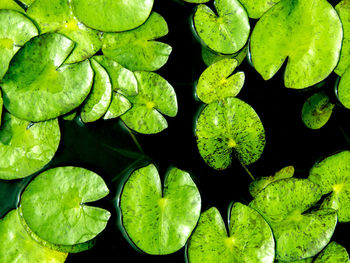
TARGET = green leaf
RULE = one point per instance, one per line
(333, 253)
(249, 240)
(306, 260)
(155, 96)
(217, 81)
(343, 89)
(226, 127)
(111, 15)
(11, 5)
(69, 116)
(26, 147)
(18, 246)
(333, 176)
(159, 223)
(118, 106)
(317, 110)
(228, 31)
(57, 16)
(37, 87)
(210, 57)
(309, 33)
(136, 49)
(196, 1)
(54, 205)
(27, 2)
(256, 8)
(16, 29)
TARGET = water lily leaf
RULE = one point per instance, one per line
(226, 127)
(309, 33)
(118, 106)
(57, 16)
(159, 223)
(112, 16)
(298, 234)
(11, 5)
(217, 83)
(226, 32)
(97, 103)
(260, 183)
(210, 57)
(27, 2)
(249, 240)
(306, 260)
(136, 49)
(256, 8)
(26, 147)
(53, 205)
(18, 246)
(333, 253)
(155, 96)
(196, 1)
(16, 29)
(333, 176)
(37, 87)
(317, 110)
(343, 89)
(343, 9)
(70, 116)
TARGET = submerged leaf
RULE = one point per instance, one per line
(210, 57)
(333, 253)
(256, 8)
(343, 89)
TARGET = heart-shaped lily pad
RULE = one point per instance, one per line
(57, 16)
(227, 127)
(155, 96)
(136, 49)
(18, 246)
(210, 57)
(249, 239)
(37, 87)
(217, 81)
(256, 8)
(309, 33)
(333, 176)
(317, 110)
(11, 5)
(225, 32)
(111, 15)
(333, 253)
(159, 222)
(53, 205)
(26, 147)
(298, 234)
(343, 89)
(16, 29)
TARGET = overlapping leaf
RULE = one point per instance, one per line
(256, 8)
(210, 57)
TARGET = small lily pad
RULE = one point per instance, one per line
(159, 223)
(137, 49)
(343, 89)
(53, 205)
(227, 127)
(217, 81)
(210, 57)
(228, 31)
(256, 8)
(249, 239)
(118, 106)
(11, 5)
(333, 253)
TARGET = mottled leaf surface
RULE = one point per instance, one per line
(306, 260)
(256, 8)
(210, 57)
(119, 105)
(11, 5)
(333, 253)
(343, 89)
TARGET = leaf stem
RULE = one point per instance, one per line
(248, 172)
(138, 145)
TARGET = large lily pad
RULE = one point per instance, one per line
(309, 33)
(210, 57)
(159, 223)
(155, 96)
(111, 15)
(227, 127)
(26, 147)
(343, 89)
(53, 205)
(249, 239)
(11, 5)
(228, 31)
(256, 8)
(37, 87)
(333, 253)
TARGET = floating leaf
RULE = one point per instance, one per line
(196, 1)
(11, 5)
(37, 87)
(210, 57)
(226, 32)
(26, 147)
(27, 2)
(159, 223)
(256, 8)
(226, 127)
(70, 116)
(309, 33)
(118, 106)
(155, 96)
(333, 253)
(53, 205)
(249, 240)
(343, 89)
(306, 260)
(111, 15)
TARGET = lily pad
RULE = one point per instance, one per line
(159, 223)
(217, 81)
(333, 253)
(27, 2)
(26, 147)
(333, 176)
(137, 49)
(309, 33)
(69, 116)
(11, 5)
(196, 1)
(227, 127)
(228, 31)
(256, 8)
(16, 29)
(210, 57)
(155, 96)
(118, 106)
(299, 234)
(53, 205)
(343, 89)
(317, 110)
(111, 15)
(37, 87)
(18, 246)
(249, 239)
(306, 260)
(57, 16)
